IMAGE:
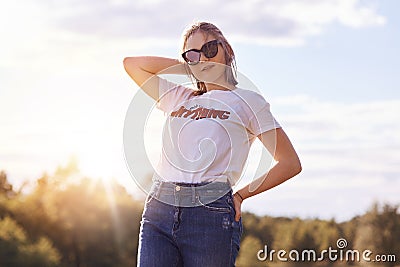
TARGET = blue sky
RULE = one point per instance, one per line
(342, 64)
(329, 68)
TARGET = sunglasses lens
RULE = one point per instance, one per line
(210, 49)
(192, 57)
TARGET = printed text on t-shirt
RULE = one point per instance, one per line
(200, 113)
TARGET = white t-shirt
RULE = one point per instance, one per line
(208, 137)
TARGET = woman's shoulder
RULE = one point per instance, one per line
(251, 98)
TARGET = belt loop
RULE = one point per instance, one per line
(177, 197)
(159, 185)
(193, 194)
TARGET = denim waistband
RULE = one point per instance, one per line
(189, 195)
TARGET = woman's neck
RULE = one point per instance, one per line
(219, 86)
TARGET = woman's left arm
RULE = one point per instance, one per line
(287, 165)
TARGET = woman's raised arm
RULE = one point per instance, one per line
(144, 71)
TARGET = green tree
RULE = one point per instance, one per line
(349, 230)
(91, 222)
(17, 250)
(6, 189)
(325, 233)
(261, 227)
(296, 236)
(249, 248)
(379, 231)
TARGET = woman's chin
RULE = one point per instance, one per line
(210, 75)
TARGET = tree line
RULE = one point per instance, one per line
(69, 220)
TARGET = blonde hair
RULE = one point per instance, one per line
(209, 28)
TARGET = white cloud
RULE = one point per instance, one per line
(276, 22)
(41, 34)
(369, 123)
(349, 154)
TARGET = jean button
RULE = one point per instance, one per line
(178, 188)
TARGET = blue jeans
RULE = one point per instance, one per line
(201, 235)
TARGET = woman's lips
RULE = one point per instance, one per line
(207, 67)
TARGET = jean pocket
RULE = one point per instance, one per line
(220, 205)
(238, 226)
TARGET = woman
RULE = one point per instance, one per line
(191, 217)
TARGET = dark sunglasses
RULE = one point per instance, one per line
(209, 49)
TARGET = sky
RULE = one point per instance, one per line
(329, 68)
